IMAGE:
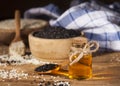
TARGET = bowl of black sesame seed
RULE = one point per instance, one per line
(52, 43)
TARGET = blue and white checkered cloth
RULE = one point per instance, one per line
(98, 23)
(50, 11)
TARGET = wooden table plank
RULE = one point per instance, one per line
(106, 69)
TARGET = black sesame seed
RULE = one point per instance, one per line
(46, 67)
(56, 33)
(61, 85)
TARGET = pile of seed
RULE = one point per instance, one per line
(46, 67)
(13, 73)
(56, 33)
(19, 60)
(54, 83)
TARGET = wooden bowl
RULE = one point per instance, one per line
(7, 29)
(50, 50)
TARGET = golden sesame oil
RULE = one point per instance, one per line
(80, 58)
(81, 69)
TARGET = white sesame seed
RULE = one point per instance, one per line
(44, 79)
(19, 60)
(13, 73)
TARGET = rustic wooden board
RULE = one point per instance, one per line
(106, 69)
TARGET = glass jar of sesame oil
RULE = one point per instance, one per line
(80, 66)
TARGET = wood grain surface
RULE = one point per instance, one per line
(106, 72)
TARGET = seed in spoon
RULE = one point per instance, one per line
(46, 67)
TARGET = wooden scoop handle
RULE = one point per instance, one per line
(17, 24)
(56, 72)
(61, 72)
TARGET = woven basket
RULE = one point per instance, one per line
(7, 29)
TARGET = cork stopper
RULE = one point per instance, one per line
(79, 40)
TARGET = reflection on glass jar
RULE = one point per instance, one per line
(80, 66)
(81, 69)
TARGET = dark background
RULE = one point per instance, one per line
(8, 7)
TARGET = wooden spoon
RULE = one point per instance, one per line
(56, 70)
(17, 46)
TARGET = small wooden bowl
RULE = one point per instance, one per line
(50, 50)
(7, 29)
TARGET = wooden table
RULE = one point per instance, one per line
(106, 72)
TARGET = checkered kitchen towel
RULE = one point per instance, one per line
(97, 22)
(48, 12)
